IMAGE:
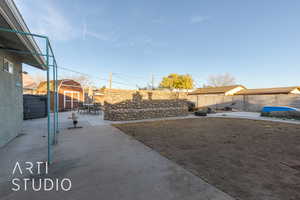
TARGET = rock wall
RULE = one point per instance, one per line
(124, 105)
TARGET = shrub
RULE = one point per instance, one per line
(191, 106)
(285, 114)
(200, 113)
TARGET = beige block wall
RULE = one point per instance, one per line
(252, 103)
(256, 102)
(118, 95)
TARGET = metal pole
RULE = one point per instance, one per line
(54, 105)
(110, 80)
(23, 52)
(152, 81)
(48, 102)
(23, 33)
(57, 99)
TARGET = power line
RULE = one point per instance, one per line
(85, 74)
(129, 76)
(126, 78)
(121, 76)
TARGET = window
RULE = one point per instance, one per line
(8, 66)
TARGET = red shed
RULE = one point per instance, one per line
(70, 93)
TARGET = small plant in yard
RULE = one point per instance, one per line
(282, 114)
(191, 106)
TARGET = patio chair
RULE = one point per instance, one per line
(82, 108)
(96, 108)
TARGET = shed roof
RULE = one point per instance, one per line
(215, 90)
(43, 85)
(278, 90)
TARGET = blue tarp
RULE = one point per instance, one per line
(277, 108)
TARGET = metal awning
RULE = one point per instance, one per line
(16, 38)
(22, 46)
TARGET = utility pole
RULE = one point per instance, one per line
(152, 81)
(110, 80)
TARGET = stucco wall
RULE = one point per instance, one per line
(253, 103)
(11, 100)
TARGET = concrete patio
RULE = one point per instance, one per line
(102, 162)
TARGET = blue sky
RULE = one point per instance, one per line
(257, 41)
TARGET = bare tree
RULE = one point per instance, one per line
(221, 80)
(38, 78)
(84, 81)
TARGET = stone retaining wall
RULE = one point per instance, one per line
(124, 105)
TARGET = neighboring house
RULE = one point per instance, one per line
(11, 97)
(266, 91)
(70, 93)
(224, 90)
(29, 85)
(240, 98)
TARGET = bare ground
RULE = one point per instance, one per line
(248, 159)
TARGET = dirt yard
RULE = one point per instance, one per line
(248, 159)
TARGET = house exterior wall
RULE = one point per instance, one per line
(295, 91)
(11, 100)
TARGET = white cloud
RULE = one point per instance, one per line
(198, 19)
(140, 41)
(98, 36)
(86, 32)
(47, 19)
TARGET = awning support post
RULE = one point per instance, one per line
(48, 103)
(55, 75)
(57, 98)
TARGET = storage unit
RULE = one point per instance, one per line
(70, 93)
(34, 106)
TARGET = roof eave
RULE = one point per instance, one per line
(28, 41)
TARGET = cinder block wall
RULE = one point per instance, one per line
(252, 103)
(256, 102)
(11, 100)
(119, 95)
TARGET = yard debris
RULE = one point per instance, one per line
(200, 113)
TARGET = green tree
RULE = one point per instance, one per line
(177, 81)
